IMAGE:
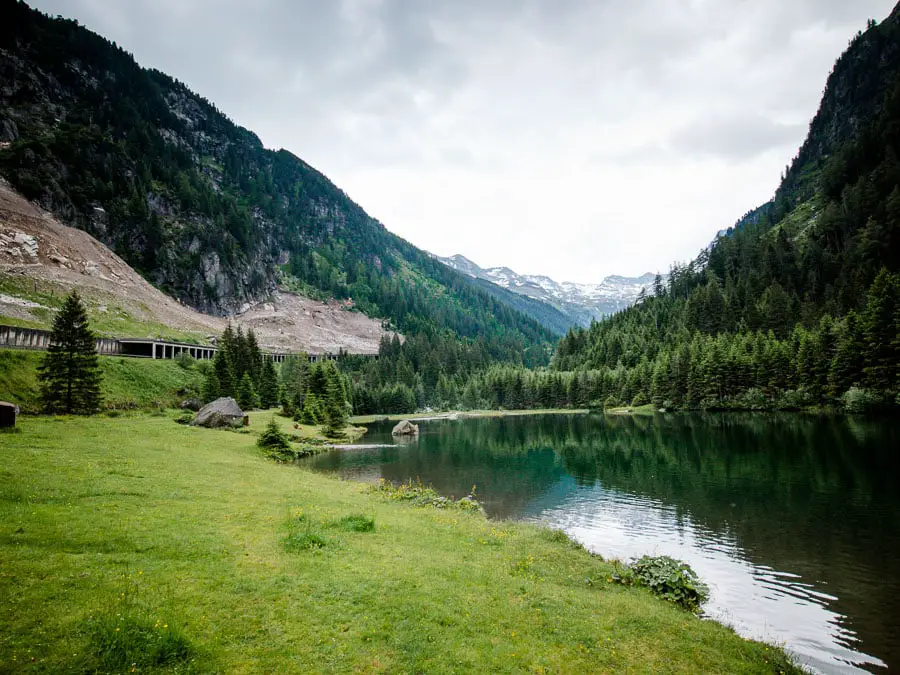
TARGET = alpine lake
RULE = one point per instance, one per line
(792, 519)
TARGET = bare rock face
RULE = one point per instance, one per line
(405, 428)
(223, 412)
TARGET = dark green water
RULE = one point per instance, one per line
(794, 520)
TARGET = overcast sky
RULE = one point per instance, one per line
(573, 138)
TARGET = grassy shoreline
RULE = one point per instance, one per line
(119, 536)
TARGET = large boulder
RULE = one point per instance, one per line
(223, 412)
(8, 414)
(405, 428)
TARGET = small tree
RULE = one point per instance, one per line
(273, 438)
(69, 374)
(247, 398)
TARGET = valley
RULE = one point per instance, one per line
(585, 450)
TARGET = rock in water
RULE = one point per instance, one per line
(405, 428)
(223, 412)
(8, 414)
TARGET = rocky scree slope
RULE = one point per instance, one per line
(41, 260)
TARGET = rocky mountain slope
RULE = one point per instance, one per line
(581, 303)
(199, 207)
(41, 260)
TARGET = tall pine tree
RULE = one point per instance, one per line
(69, 374)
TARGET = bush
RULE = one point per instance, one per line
(753, 399)
(304, 541)
(356, 523)
(420, 495)
(122, 642)
(860, 401)
(184, 418)
(185, 360)
(272, 438)
(639, 400)
(794, 399)
(667, 578)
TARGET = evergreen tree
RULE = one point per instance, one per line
(211, 389)
(268, 385)
(272, 438)
(254, 358)
(222, 371)
(69, 373)
(880, 331)
(247, 398)
(847, 364)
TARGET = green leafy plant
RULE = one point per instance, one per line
(356, 523)
(667, 578)
(304, 541)
(421, 495)
(858, 401)
(300, 536)
(184, 418)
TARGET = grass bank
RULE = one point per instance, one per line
(138, 541)
(107, 316)
(127, 382)
(304, 432)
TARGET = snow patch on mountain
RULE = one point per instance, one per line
(582, 302)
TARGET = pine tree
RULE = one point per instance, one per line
(254, 358)
(272, 438)
(69, 374)
(268, 385)
(880, 331)
(222, 369)
(847, 364)
(247, 398)
(211, 388)
(335, 403)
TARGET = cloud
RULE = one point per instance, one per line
(575, 138)
(739, 136)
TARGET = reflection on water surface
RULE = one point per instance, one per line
(793, 520)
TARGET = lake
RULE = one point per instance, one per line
(793, 520)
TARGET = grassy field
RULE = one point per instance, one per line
(127, 382)
(136, 544)
(108, 317)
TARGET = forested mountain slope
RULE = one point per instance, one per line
(800, 302)
(200, 207)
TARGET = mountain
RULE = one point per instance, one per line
(581, 303)
(799, 303)
(200, 208)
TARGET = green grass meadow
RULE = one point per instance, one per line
(127, 382)
(134, 544)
